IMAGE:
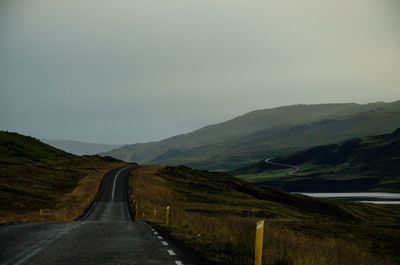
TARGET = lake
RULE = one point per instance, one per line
(367, 197)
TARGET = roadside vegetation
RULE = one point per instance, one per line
(215, 214)
(39, 182)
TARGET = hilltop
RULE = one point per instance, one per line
(35, 176)
(19, 149)
(265, 133)
(360, 164)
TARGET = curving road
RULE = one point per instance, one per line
(294, 171)
(105, 235)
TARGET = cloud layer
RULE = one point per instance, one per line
(130, 71)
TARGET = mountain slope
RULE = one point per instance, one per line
(361, 164)
(35, 176)
(239, 126)
(264, 133)
(81, 148)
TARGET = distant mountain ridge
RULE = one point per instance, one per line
(81, 148)
(264, 133)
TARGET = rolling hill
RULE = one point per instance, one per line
(81, 148)
(35, 176)
(264, 133)
(360, 164)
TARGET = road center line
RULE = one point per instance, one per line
(21, 254)
(31, 254)
(33, 250)
(164, 243)
(178, 262)
(115, 180)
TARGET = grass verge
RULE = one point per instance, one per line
(40, 182)
(60, 190)
(216, 214)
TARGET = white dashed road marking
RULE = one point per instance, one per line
(33, 253)
(171, 252)
(165, 243)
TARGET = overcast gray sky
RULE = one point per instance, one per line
(131, 71)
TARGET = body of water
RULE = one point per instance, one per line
(367, 197)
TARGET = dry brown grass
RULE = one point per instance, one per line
(74, 204)
(228, 238)
(69, 206)
(40, 182)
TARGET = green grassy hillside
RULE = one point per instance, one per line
(265, 133)
(360, 164)
(216, 214)
(35, 176)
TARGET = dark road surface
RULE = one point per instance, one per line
(105, 235)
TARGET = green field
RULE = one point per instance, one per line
(360, 164)
(265, 175)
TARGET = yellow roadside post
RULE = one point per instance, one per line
(259, 242)
(136, 210)
(167, 215)
(155, 214)
(143, 215)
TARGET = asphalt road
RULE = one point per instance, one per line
(105, 235)
(294, 171)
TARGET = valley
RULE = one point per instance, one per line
(357, 165)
